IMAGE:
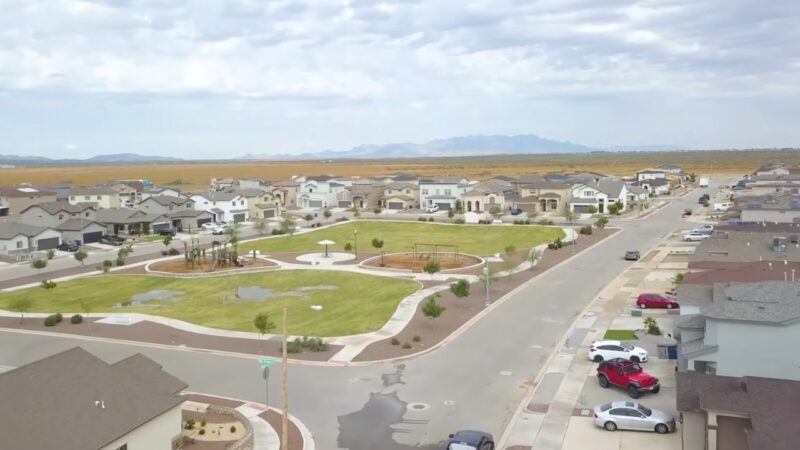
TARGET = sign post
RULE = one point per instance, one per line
(265, 365)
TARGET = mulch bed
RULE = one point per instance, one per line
(179, 266)
(161, 334)
(459, 311)
(274, 419)
(408, 261)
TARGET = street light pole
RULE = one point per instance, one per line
(355, 236)
(486, 272)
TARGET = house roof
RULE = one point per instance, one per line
(636, 190)
(9, 230)
(187, 213)
(285, 183)
(52, 400)
(549, 195)
(654, 182)
(251, 192)
(651, 171)
(743, 246)
(528, 178)
(782, 201)
(25, 192)
(545, 184)
(767, 301)
(92, 191)
(770, 404)
(401, 185)
(125, 216)
(75, 225)
(166, 200)
(668, 167)
(611, 188)
(53, 208)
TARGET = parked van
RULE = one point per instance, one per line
(723, 206)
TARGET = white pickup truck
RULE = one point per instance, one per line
(703, 182)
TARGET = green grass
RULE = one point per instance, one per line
(362, 303)
(401, 236)
(620, 335)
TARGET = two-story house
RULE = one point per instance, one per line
(599, 196)
(650, 174)
(488, 196)
(15, 200)
(226, 206)
(286, 191)
(170, 192)
(261, 204)
(399, 195)
(75, 222)
(102, 198)
(443, 192)
(319, 192)
(536, 194)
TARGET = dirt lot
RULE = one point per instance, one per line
(179, 266)
(416, 264)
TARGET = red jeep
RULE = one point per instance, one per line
(627, 375)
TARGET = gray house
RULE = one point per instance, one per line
(17, 238)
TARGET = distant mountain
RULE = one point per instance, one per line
(646, 148)
(456, 146)
(129, 158)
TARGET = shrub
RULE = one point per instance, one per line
(395, 341)
(614, 209)
(294, 346)
(652, 326)
(348, 247)
(527, 221)
(459, 221)
(342, 219)
(174, 251)
(189, 425)
(546, 222)
(202, 431)
(517, 222)
(552, 246)
(422, 219)
(233, 429)
(203, 423)
(510, 249)
(559, 243)
(460, 288)
(119, 262)
(601, 222)
(76, 319)
(416, 338)
(406, 345)
(276, 231)
(51, 253)
(592, 210)
(430, 219)
(586, 229)
(450, 213)
(377, 210)
(51, 320)
(59, 317)
(313, 344)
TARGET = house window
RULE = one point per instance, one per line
(87, 214)
(588, 193)
(424, 192)
(72, 197)
(437, 191)
(19, 244)
(60, 217)
(447, 192)
(87, 197)
(171, 207)
(98, 197)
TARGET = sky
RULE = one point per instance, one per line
(216, 79)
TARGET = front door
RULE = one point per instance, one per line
(601, 205)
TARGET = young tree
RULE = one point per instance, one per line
(356, 212)
(123, 252)
(431, 267)
(167, 240)
(601, 222)
(496, 211)
(431, 308)
(48, 285)
(21, 305)
(287, 225)
(511, 249)
(106, 266)
(145, 228)
(51, 253)
(534, 257)
(348, 247)
(378, 244)
(39, 263)
(87, 309)
(614, 208)
(569, 215)
(308, 217)
(677, 280)
(450, 213)
(263, 323)
(327, 213)
(261, 226)
(80, 256)
(232, 233)
(460, 288)
(459, 207)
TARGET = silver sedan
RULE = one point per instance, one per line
(632, 416)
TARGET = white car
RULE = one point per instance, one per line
(695, 236)
(626, 415)
(607, 350)
(433, 208)
(209, 226)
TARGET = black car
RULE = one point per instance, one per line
(687, 212)
(167, 232)
(632, 255)
(470, 440)
(112, 239)
(516, 212)
(69, 246)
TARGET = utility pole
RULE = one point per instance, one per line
(486, 273)
(285, 370)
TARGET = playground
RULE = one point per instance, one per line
(179, 266)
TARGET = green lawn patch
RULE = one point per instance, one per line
(358, 304)
(620, 335)
(401, 236)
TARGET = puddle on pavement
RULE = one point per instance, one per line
(150, 296)
(259, 294)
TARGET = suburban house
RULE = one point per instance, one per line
(637, 194)
(737, 413)
(400, 195)
(15, 200)
(729, 334)
(319, 192)
(160, 191)
(774, 169)
(129, 191)
(650, 174)
(16, 238)
(83, 231)
(103, 198)
(485, 196)
(51, 214)
(62, 190)
(655, 186)
(226, 206)
(599, 196)
(188, 220)
(73, 400)
(536, 194)
(235, 184)
(362, 194)
(779, 208)
(286, 190)
(165, 204)
(443, 192)
(261, 204)
(131, 221)
(396, 177)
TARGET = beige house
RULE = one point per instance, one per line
(485, 196)
(103, 198)
(261, 204)
(16, 200)
(534, 194)
(76, 401)
(287, 191)
(400, 195)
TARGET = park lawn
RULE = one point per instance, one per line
(620, 335)
(401, 236)
(362, 303)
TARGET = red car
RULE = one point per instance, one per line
(656, 301)
(627, 375)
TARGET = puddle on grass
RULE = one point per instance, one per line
(146, 297)
(259, 294)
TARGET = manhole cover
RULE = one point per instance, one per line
(419, 406)
(449, 403)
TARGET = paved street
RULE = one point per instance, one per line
(477, 381)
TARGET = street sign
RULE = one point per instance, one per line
(265, 373)
(265, 362)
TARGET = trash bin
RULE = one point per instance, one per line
(672, 352)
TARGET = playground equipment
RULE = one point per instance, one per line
(431, 251)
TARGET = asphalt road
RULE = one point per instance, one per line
(476, 381)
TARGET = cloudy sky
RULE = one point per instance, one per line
(202, 78)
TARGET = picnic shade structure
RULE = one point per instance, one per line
(326, 243)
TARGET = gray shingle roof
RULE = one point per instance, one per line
(166, 200)
(9, 230)
(25, 192)
(612, 188)
(53, 208)
(50, 403)
(75, 225)
(92, 191)
(775, 302)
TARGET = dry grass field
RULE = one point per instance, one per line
(197, 175)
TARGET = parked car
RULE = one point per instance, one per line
(651, 300)
(432, 208)
(221, 229)
(71, 247)
(632, 255)
(470, 440)
(632, 416)
(628, 375)
(704, 199)
(607, 350)
(687, 212)
(167, 232)
(516, 211)
(112, 239)
(695, 236)
(209, 226)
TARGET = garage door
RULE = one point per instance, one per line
(269, 213)
(47, 244)
(344, 204)
(395, 205)
(161, 227)
(582, 209)
(315, 204)
(200, 222)
(238, 218)
(444, 206)
(89, 238)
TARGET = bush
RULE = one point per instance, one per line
(517, 222)
(601, 222)
(174, 251)
(342, 219)
(276, 231)
(59, 317)
(416, 338)
(510, 249)
(558, 242)
(203, 423)
(586, 229)
(460, 288)
(119, 262)
(51, 320)
(51, 253)
(527, 221)
(233, 429)
(377, 210)
(459, 221)
(430, 219)
(552, 246)
(395, 341)
(189, 425)
(313, 344)
(546, 222)
(652, 326)
(406, 345)
(76, 319)
(294, 347)
(202, 431)
(422, 219)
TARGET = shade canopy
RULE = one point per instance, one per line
(326, 243)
